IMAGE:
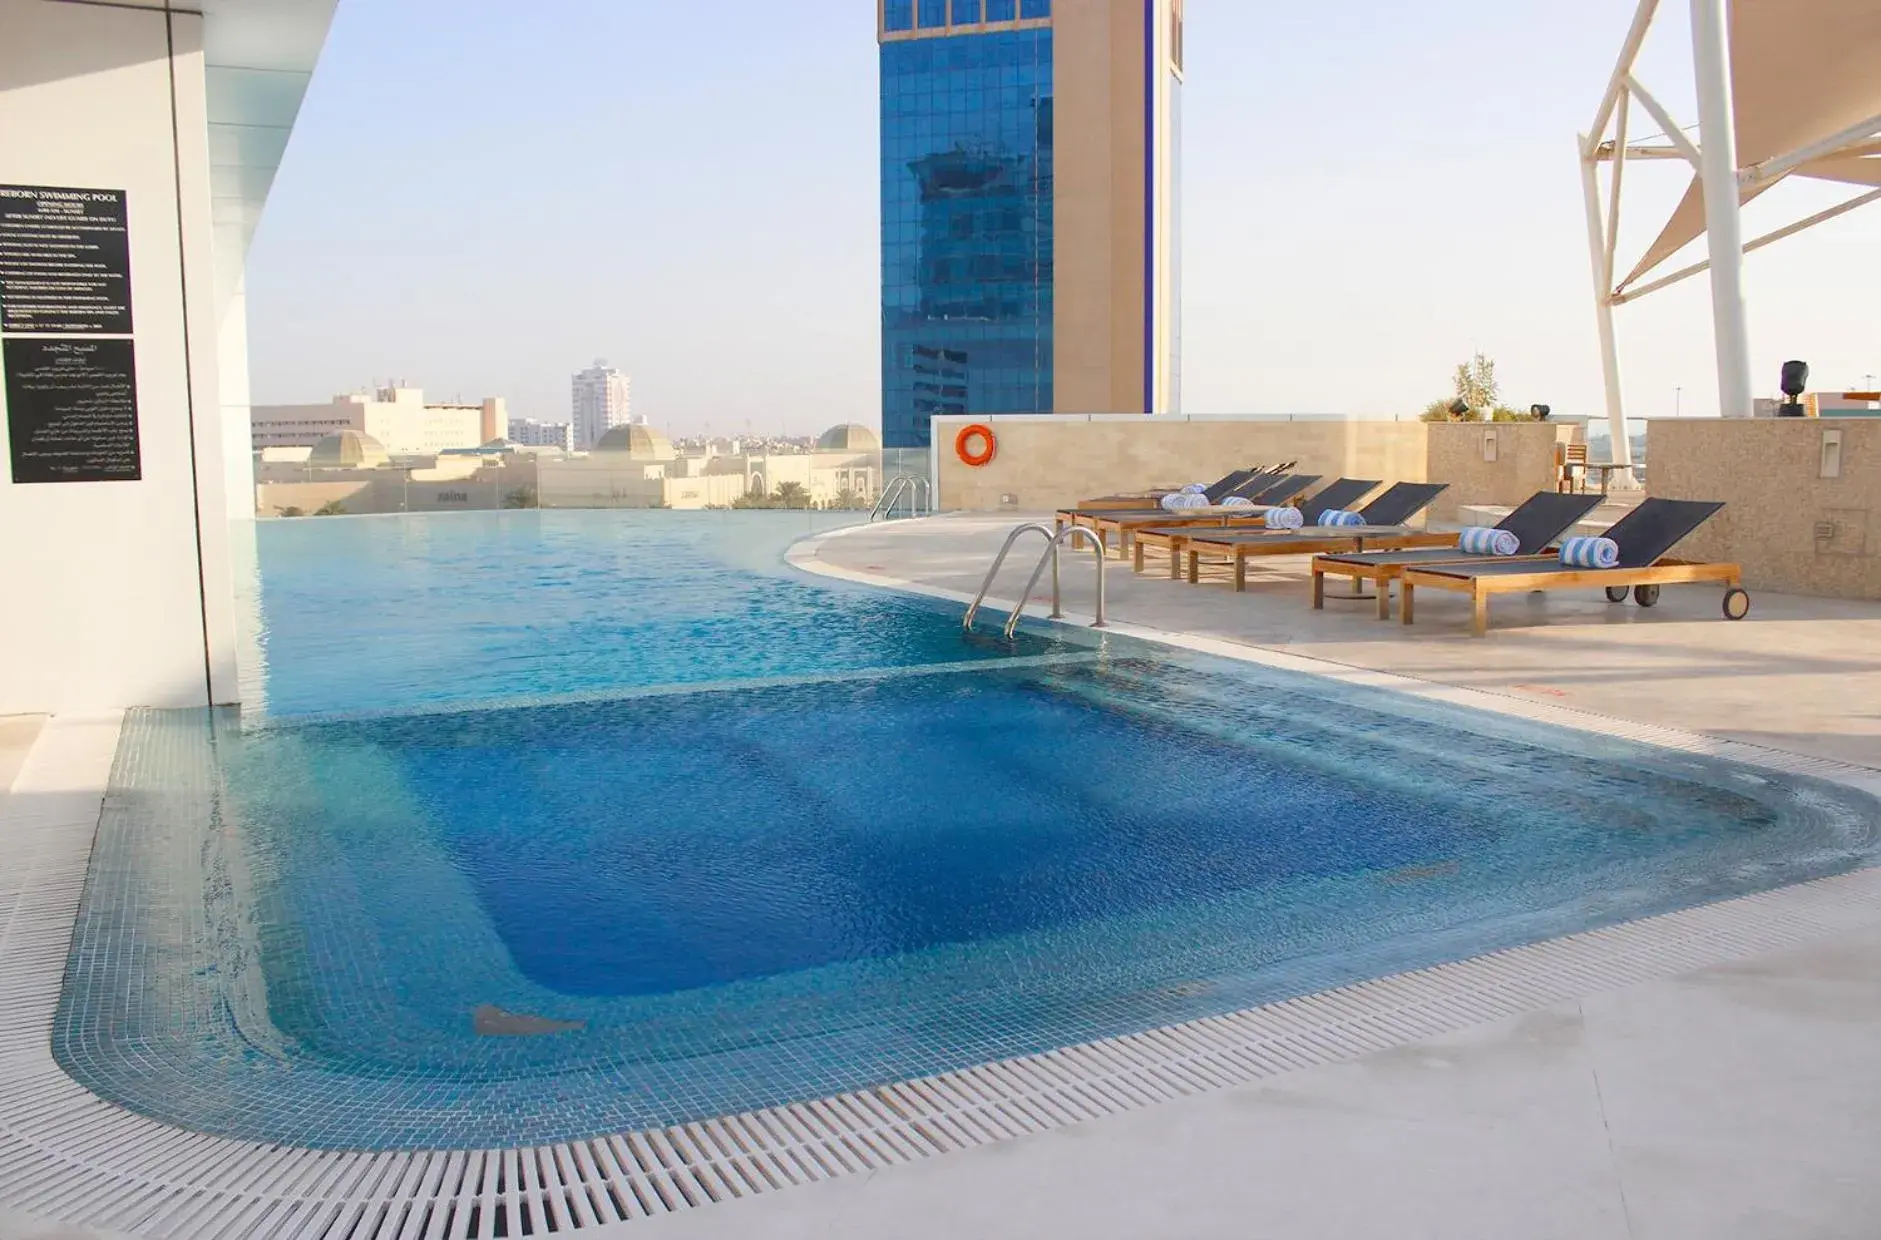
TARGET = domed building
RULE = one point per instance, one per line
(849, 437)
(348, 450)
(637, 443)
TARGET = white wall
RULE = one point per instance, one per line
(104, 598)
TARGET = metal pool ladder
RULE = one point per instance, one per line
(918, 490)
(1055, 539)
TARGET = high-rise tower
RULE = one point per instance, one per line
(1030, 242)
(599, 403)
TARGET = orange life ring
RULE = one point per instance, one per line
(968, 432)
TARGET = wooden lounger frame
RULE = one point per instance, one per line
(1290, 542)
(1385, 574)
(1174, 544)
(1127, 527)
(1142, 503)
(1664, 573)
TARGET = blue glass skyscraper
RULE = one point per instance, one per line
(975, 266)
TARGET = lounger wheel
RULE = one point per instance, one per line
(1646, 596)
(1616, 594)
(1736, 604)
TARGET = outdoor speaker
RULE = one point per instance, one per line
(1795, 378)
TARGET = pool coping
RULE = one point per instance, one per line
(69, 1156)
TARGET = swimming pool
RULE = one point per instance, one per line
(768, 839)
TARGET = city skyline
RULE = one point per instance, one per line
(1349, 236)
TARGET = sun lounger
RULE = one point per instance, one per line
(1122, 522)
(1644, 536)
(1216, 492)
(1263, 495)
(1383, 528)
(1251, 515)
(1536, 523)
(1125, 507)
(1172, 537)
(1239, 544)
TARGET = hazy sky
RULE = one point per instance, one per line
(483, 198)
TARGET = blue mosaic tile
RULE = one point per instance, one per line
(759, 896)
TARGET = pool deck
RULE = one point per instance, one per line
(1800, 674)
(17, 733)
(1714, 1073)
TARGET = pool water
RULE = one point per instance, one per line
(727, 879)
(475, 609)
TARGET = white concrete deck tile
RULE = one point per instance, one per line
(1495, 1132)
(17, 733)
(1777, 1057)
(1734, 1103)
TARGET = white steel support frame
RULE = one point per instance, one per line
(1714, 158)
(1724, 232)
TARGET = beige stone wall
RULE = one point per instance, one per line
(1052, 462)
(705, 490)
(600, 482)
(1790, 528)
(1524, 462)
(272, 499)
(362, 492)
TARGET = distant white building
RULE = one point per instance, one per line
(396, 417)
(600, 403)
(530, 433)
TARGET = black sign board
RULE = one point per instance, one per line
(72, 410)
(65, 261)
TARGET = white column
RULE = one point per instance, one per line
(1603, 306)
(1717, 126)
(238, 458)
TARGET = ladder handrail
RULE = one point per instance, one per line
(920, 494)
(974, 609)
(1054, 539)
(888, 496)
(1070, 532)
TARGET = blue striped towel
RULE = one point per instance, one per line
(1184, 499)
(1481, 540)
(1590, 553)
(1285, 518)
(1339, 516)
(1196, 488)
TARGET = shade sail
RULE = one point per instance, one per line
(1801, 71)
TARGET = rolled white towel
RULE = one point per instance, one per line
(1184, 499)
(1338, 516)
(1237, 501)
(1483, 540)
(1590, 553)
(1196, 488)
(1285, 518)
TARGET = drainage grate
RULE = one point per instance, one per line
(69, 1156)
